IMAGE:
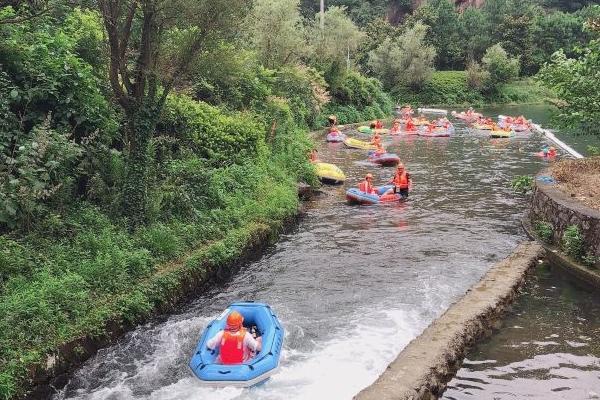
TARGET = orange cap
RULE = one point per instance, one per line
(234, 320)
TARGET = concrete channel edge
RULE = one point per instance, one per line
(422, 370)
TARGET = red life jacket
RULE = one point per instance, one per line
(378, 125)
(232, 347)
(401, 180)
(366, 187)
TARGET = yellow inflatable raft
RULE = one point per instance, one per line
(501, 133)
(370, 131)
(483, 127)
(329, 173)
(359, 144)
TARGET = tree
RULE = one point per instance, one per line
(407, 60)
(339, 40)
(475, 33)
(500, 67)
(444, 34)
(152, 44)
(277, 32)
(576, 82)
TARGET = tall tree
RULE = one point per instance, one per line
(404, 61)
(339, 40)
(277, 31)
(152, 44)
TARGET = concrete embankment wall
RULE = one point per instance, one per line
(550, 204)
(423, 368)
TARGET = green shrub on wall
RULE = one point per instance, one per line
(544, 231)
(572, 242)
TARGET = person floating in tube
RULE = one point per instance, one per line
(401, 181)
(366, 186)
(236, 345)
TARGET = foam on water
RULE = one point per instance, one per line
(337, 368)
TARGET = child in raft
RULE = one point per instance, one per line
(376, 139)
(549, 152)
(379, 150)
(377, 124)
(410, 125)
(395, 127)
(314, 155)
(334, 131)
(366, 186)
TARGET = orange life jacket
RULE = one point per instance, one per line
(365, 186)
(232, 347)
(401, 180)
(410, 126)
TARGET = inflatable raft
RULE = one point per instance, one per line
(370, 131)
(483, 127)
(438, 132)
(501, 133)
(359, 144)
(329, 173)
(355, 196)
(467, 118)
(252, 372)
(337, 138)
(385, 159)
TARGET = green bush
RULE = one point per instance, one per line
(356, 98)
(572, 242)
(522, 184)
(306, 91)
(544, 231)
(500, 67)
(444, 87)
(207, 131)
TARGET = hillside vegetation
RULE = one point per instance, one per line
(143, 140)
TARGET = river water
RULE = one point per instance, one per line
(547, 348)
(352, 285)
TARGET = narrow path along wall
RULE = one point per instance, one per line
(423, 368)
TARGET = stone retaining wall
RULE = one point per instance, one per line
(550, 204)
(422, 370)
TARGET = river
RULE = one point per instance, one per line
(547, 349)
(352, 285)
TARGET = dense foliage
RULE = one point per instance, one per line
(143, 139)
(577, 83)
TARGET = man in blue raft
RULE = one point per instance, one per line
(236, 344)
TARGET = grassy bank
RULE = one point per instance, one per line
(450, 88)
(87, 271)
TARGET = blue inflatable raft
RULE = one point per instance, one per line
(355, 196)
(252, 372)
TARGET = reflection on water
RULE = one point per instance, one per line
(352, 285)
(548, 347)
